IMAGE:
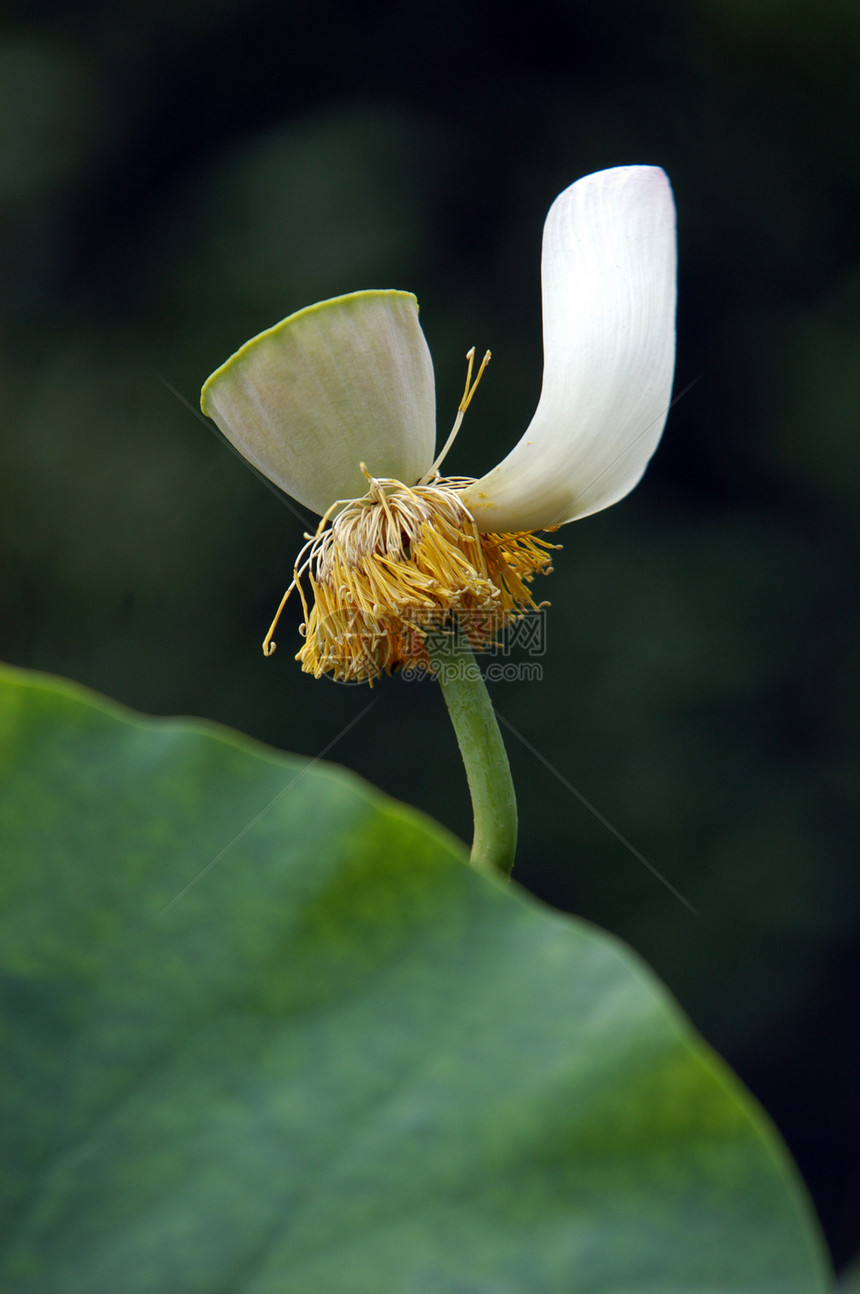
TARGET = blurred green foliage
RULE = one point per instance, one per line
(175, 177)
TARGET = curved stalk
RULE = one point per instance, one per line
(494, 805)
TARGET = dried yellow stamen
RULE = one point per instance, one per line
(399, 564)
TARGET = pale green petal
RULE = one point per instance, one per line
(343, 382)
(608, 272)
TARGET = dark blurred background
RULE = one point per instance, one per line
(177, 175)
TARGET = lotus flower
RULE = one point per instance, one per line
(336, 406)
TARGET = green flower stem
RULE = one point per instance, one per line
(494, 804)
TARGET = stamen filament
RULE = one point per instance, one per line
(270, 647)
(468, 391)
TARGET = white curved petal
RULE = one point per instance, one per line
(608, 274)
(346, 381)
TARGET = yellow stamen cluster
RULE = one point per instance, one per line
(401, 563)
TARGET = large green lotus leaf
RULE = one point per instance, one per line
(341, 1062)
